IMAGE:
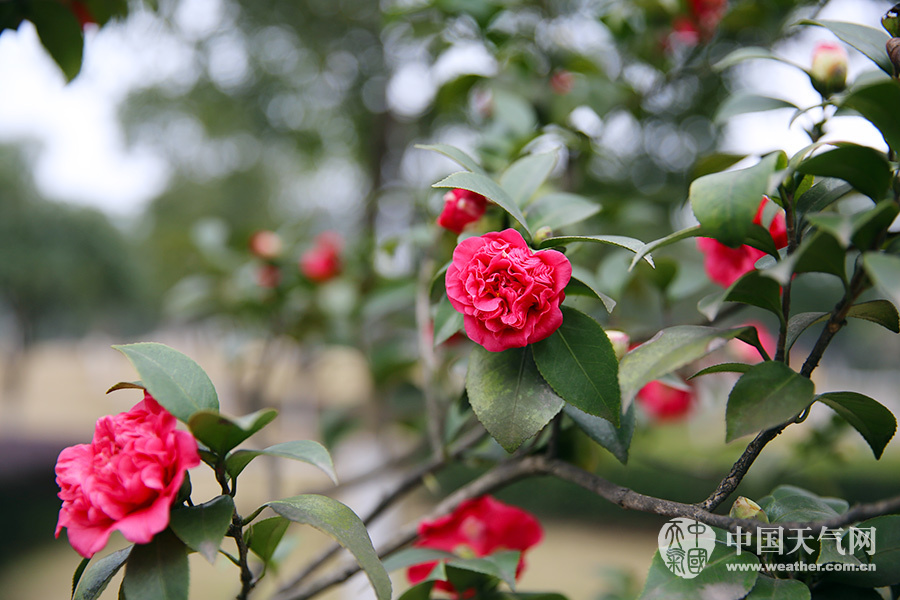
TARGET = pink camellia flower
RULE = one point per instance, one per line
(664, 402)
(265, 244)
(126, 479)
(461, 207)
(477, 528)
(829, 68)
(508, 294)
(323, 261)
(726, 265)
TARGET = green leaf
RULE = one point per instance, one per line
(421, 591)
(455, 154)
(582, 283)
(649, 247)
(158, 570)
(740, 104)
(615, 439)
(725, 203)
(579, 363)
(336, 520)
(877, 103)
(487, 187)
(822, 195)
(409, 557)
(714, 581)
(668, 350)
(752, 288)
(799, 323)
(307, 451)
(730, 367)
(868, 40)
(126, 385)
(872, 420)
(447, 321)
(264, 536)
(787, 504)
(501, 565)
(866, 169)
(79, 571)
(881, 312)
(613, 240)
(557, 210)
(173, 379)
(769, 588)
(869, 225)
(509, 396)
(886, 558)
(523, 178)
(747, 53)
(713, 163)
(203, 527)
(60, 34)
(769, 394)
(818, 253)
(884, 270)
(98, 574)
(221, 432)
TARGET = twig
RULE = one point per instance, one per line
(740, 468)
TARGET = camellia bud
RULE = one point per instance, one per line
(893, 50)
(745, 508)
(265, 244)
(542, 234)
(620, 342)
(891, 21)
(829, 68)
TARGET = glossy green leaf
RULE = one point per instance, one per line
(695, 231)
(582, 283)
(409, 557)
(613, 240)
(559, 209)
(203, 527)
(579, 363)
(173, 379)
(752, 288)
(713, 163)
(98, 573)
(523, 178)
(60, 33)
(800, 323)
(880, 312)
(668, 350)
(263, 536)
(769, 588)
(455, 154)
(501, 565)
(158, 570)
(487, 187)
(509, 396)
(868, 40)
(421, 591)
(822, 195)
(866, 169)
(126, 385)
(869, 226)
(725, 203)
(768, 394)
(871, 419)
(884, 270)
(886, 557)
(336, 520)
(877, 103)
(307, 451)
(716, 580)
(739, 104)
(447, 321)
(730, 367)
(221, 432)
(790, 504)
(818, 253)
(615, 439)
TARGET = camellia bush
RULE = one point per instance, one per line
(515, 261)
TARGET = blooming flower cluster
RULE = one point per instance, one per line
(125, 480)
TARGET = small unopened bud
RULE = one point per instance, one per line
(745, 508)
(829, 68)
(266, 244)
(893, 50)
(620, 342)
(542, 234)
(891, 21)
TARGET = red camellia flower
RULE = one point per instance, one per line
(461, 207)
(126, 479)
(726, 265)
(323, 261)
(265, 244)
(509, 295)
(700, 24)
(477, 528)
(664, 402)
